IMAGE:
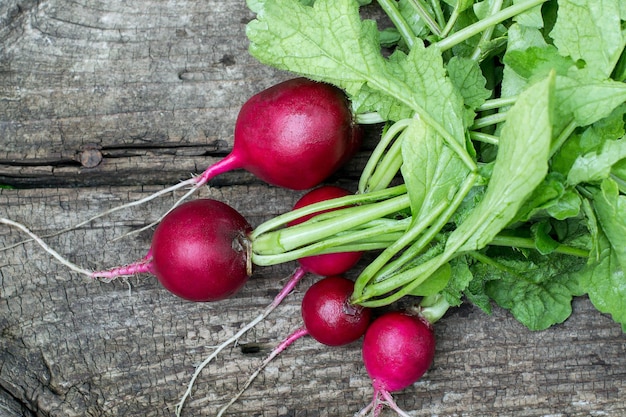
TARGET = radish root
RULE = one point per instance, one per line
(287, 288)
(381, 398)
(277, 350)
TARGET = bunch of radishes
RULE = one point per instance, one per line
(294, 135)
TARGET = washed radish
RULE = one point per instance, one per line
(328, 317)
(198, 252)
(398, 348)
(325, 265)
(293, 135)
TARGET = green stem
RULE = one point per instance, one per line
(422, 12)
(336, 203)
(451, 21)
(484, 137)
(441, 19)
(392, 250)
(521, 242)
(370, 118)
(496, 103)
(411, 278)
(379, 152)
(388, 167)
(398, 21)
(303, 234)
(563, 136)
(486, 36)
(363, 292)
(417, 247)
(348, 241)
(433, 307)
(475, 28)
(489, 120)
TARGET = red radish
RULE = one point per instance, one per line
(332, 263)
(328, 317)
(198, 252)
(293, 135)
(398, 348)
(325, 265)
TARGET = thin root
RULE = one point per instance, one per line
(281, 347)
(382, 397)
(287, 288)
(45, 247)
(191, 181)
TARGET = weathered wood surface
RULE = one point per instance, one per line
(122, 98)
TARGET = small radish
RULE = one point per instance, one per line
(328, 317)
(324, 265)
(198, 252)
(398, 348)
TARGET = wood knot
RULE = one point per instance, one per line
(90, 157)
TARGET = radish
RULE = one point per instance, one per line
(398, 348)
(199, 252)
(325, 265)
(328, 317)
(299, 126)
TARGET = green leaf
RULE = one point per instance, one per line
(538, 291)
(590, 30)
(590, 139)
(531, 18)
(460, 279)
(298, 38)
(596, 166)
(468, 79)
(521, 165)
(587, 99)
(603, 279)
(544, 243)
(610, 208)
(432, 172)
(537, 61)
(435, 283)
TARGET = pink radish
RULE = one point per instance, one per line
(292, 135)
(398, 348)
(198, 252)
(325, 265)
(328, 317)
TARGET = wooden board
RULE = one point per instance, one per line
(104, 102)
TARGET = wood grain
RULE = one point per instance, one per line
(104, 102)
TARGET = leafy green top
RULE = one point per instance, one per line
(509, 119)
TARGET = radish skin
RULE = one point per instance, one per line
(398, 348)
(199, 252)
